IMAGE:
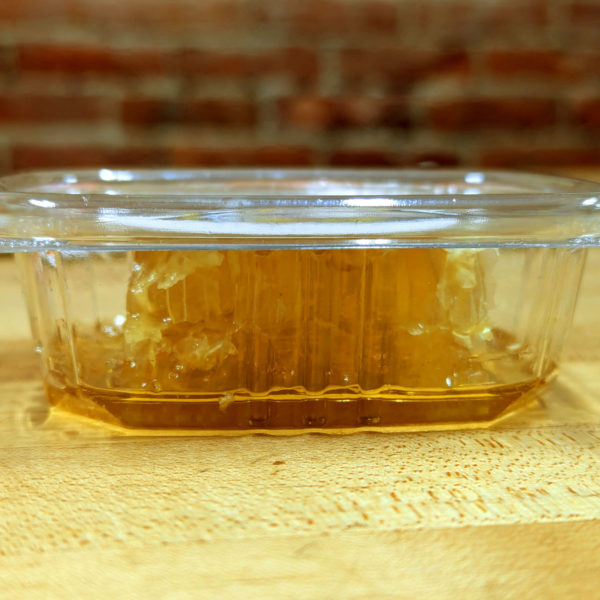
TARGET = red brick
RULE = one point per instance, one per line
(415, 17)
(516, 113)
(525, 62)
(36, 157)
(217, 111)
(300, 64)
(378, 17)
(365, 157)
(433, 158)
(502, 15)
(7, 59)
(216, 64)
(518, 157)
(73, 58)
(206, 157)
(280, 156)
(462, 24)
(587, 114)
(582, 65)
(322, 113)
(145, 111)
(267, 13)
(382, 157)
(399, 69)
(133, 13)
(372, 112)
(275, 156)
(53, 108)
(319, 17)
(586, 13)
(26, 9)
(205, 15)
(311, 113)
(328, 18)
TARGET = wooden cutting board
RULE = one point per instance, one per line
(507, 512)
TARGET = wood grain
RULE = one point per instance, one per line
(553, 560)
(512, 511)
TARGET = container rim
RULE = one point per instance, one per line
(114, 209)
(468, 182)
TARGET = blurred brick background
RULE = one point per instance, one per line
(299, 82)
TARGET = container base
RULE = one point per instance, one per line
(283, 414)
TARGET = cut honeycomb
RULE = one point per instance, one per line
(261, 320)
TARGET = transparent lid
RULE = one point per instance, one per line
(306, 208)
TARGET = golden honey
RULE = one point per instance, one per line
(292, 340)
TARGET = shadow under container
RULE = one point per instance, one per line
(285, 301)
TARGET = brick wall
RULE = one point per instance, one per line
(299, 82)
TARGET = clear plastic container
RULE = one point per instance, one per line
(298, 300)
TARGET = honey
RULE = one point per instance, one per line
(293, 340)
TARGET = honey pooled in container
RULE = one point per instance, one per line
(285, 340)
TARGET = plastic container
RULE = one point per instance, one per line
(288, 301)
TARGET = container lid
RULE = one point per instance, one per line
(109, 209)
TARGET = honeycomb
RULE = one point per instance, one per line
(305, 320)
